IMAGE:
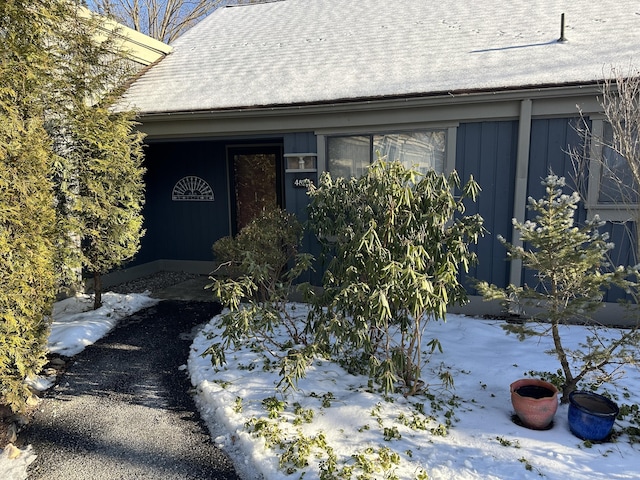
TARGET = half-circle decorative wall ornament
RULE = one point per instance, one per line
(192, 188)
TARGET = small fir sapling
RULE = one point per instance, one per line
(572, 273)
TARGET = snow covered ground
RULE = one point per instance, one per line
(366, 428)
(362, 429)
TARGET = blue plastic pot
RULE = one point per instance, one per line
(591, 416)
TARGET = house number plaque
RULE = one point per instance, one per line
(302, 182)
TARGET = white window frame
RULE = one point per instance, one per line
(450, 130)
(613, 212)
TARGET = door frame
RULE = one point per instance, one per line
(247, 149)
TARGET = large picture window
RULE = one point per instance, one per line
(350, 156)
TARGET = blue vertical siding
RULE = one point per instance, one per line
(487, 150)
(297, 200)
(183, 230)
(551, 142)
(301, 142)
(623, 236)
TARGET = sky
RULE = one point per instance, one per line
(364, 428)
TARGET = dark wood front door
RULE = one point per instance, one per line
(256, 181)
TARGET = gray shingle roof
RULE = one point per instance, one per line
(313, 51)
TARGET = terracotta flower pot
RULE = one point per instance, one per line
(535, 402)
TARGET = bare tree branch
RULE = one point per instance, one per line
(620, 100)
(619, 144)
(163, 20)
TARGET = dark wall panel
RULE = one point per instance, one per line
(551, 142)
(623, 236)
(297, 199)
(184, 230)
(296, 196)
(301, 142)
(487, 150)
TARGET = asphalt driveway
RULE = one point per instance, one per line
(123, 409)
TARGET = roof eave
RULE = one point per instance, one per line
(390, 101)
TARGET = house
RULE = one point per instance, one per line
(139, 49)
(257, 97)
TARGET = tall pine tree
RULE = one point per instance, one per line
(71, 186)
(110, 189)
(99, 180)
(27, 242)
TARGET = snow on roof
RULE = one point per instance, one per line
(314, 51)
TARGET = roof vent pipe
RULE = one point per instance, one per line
(562, 39)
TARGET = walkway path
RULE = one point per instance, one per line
(123, 410)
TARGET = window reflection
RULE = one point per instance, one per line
(616, 179)
(421, 150)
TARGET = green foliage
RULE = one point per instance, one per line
(99, 175)
(273, 406)
(508, 443)
(557, 379)
(417, 421)
(282, 423)
(267, 429)
(527, 464)
(27, 216)
(422, 475)
(53, 68)
(630, 414)
(295, 450)
(110, 194)
(572, 274)
(325, 398)
(69, 77)
(262, 253)
(398, 240)
(265, 263)
(391, 433)
(303, 415)
(27, 283)
(570, 260)
(371, 462)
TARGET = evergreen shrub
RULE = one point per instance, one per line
(398, 240)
